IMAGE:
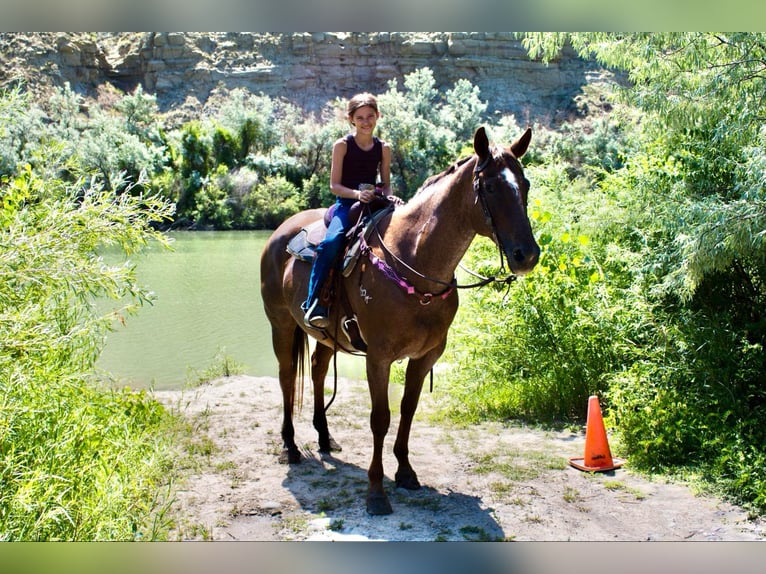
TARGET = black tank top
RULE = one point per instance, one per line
(361, 166)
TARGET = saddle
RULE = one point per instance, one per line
(303, 247)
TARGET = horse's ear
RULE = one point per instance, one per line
(481, 143)
(519, 147)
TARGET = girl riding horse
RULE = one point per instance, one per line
(357, 161)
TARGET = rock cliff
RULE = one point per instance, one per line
(184, 69)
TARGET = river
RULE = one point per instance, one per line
(208, 302)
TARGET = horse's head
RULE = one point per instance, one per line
(501, 194)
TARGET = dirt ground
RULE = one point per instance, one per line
(485, 482)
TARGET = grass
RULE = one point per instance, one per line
(516, 465)
(476, 534)
(616, 485)
(78, 462)
(571, 495)
(222, 365)
(426, 502)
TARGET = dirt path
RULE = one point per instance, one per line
(486, 482)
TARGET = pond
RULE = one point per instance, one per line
(208, 303)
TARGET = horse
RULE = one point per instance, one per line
(403, 292)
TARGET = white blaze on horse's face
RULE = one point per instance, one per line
(509, 176)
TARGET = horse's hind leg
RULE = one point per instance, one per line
(288, 349)
(320, 362)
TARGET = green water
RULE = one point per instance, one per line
(208, 300)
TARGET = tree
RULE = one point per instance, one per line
(704, 96)
(416, 124)
(21, 129)
(688, 209)
(463, 110)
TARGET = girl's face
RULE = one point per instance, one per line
(364, 119)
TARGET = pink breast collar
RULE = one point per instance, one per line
(391, 274)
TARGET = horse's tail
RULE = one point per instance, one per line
(300, 352)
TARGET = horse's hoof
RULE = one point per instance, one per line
(289, 456)
(408, 480)
(330, 446)
(378, 505)
(334, 446)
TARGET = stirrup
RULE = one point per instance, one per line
(316, 316)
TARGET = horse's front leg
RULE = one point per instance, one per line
(380, 419)
(417, 369)
(320, 362)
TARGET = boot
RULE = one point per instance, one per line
(316, 316)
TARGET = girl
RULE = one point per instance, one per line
(357, 161)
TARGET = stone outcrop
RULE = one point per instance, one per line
(184, 69)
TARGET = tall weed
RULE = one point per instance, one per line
(78, 461)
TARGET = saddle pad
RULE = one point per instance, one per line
(303, 245)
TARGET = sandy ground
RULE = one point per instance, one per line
(485, 482)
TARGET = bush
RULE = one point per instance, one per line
(537, 351)
(77, 461)
(687, 221)
(81, 463)
(272, 202)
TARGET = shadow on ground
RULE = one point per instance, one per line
(333, 489)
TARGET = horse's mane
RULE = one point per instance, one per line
(439, 176)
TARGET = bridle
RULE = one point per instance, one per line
(425, 298)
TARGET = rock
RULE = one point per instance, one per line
(307, 69)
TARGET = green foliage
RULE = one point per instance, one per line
(77, 461)
(703, 98)
(273, 201)
(686, 226)
(197, 165)
(222, 365)
(539, 349)
(463, 110)
(115, 152)
(419, 125)
(223, 164)
(21, 130)
(226, 150)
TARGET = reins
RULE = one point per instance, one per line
(450, 285)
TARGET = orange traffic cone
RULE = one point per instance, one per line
(598, 457)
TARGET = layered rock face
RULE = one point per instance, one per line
(184, 69)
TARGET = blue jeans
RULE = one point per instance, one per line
(327, 251)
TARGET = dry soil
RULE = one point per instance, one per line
(483, 482)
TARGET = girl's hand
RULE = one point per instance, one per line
(366, 195)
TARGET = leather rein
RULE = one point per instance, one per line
(426, 298)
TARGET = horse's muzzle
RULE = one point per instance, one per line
(522, 259)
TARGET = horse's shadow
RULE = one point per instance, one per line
(327, 486)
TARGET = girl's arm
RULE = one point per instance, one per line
(385, 169)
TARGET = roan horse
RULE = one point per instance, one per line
(420, 244)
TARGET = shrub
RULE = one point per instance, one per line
(77, 461)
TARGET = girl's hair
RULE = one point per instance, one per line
(361, 100)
